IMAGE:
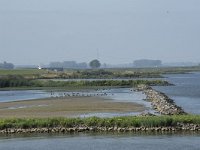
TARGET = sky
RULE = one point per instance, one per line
(114, 31)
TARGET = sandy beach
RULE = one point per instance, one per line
(65, 107)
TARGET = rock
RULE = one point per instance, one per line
(110, 129)
(160, 102)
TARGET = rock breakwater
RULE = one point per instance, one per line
(160, 102)
(179, 127)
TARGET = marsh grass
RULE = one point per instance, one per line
(19, 81)
(142, 121)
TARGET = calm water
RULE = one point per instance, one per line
(118, 95)
(12, 95)
(186, 92)
(102, 142)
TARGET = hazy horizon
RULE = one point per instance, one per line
(115, 31)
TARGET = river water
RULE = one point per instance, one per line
(83, 141)
(186, 92)
(116, 94)
(17, 95)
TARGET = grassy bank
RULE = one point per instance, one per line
(19, 81)
(142, 121)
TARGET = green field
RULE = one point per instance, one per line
(21, 72)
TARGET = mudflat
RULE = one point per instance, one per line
(65, 107)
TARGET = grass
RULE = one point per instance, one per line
(148, 121)
(129, 83)
(162, 70)
(109, 73)
(21, 72)
(18, 81)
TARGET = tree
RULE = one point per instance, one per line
(6, 65)
(95, 64)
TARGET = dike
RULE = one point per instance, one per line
(160, 102)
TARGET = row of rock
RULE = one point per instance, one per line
(160, 102)
(180, 127)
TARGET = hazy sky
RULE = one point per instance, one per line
(40, 31)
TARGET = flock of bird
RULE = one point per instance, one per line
(81, 94)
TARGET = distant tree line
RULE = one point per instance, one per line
(95, 64)
(68, 64)
(73, 64)
(6, 65)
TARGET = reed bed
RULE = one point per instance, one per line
(132, 121)
(18, 81)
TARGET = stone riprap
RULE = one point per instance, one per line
(178, 127)
(160, 102)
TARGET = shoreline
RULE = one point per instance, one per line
(152, 124)
(184, 128)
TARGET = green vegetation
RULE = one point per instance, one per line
(110, 74)
(78, 74)
(142, 121)
(95, 63)
(22, 72)
(6, 65)
(127, 73)
(113, 83)
(19, 81)
(14, 81)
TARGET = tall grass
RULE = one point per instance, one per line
(147, 121)
(20, 81)
(99, 83)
